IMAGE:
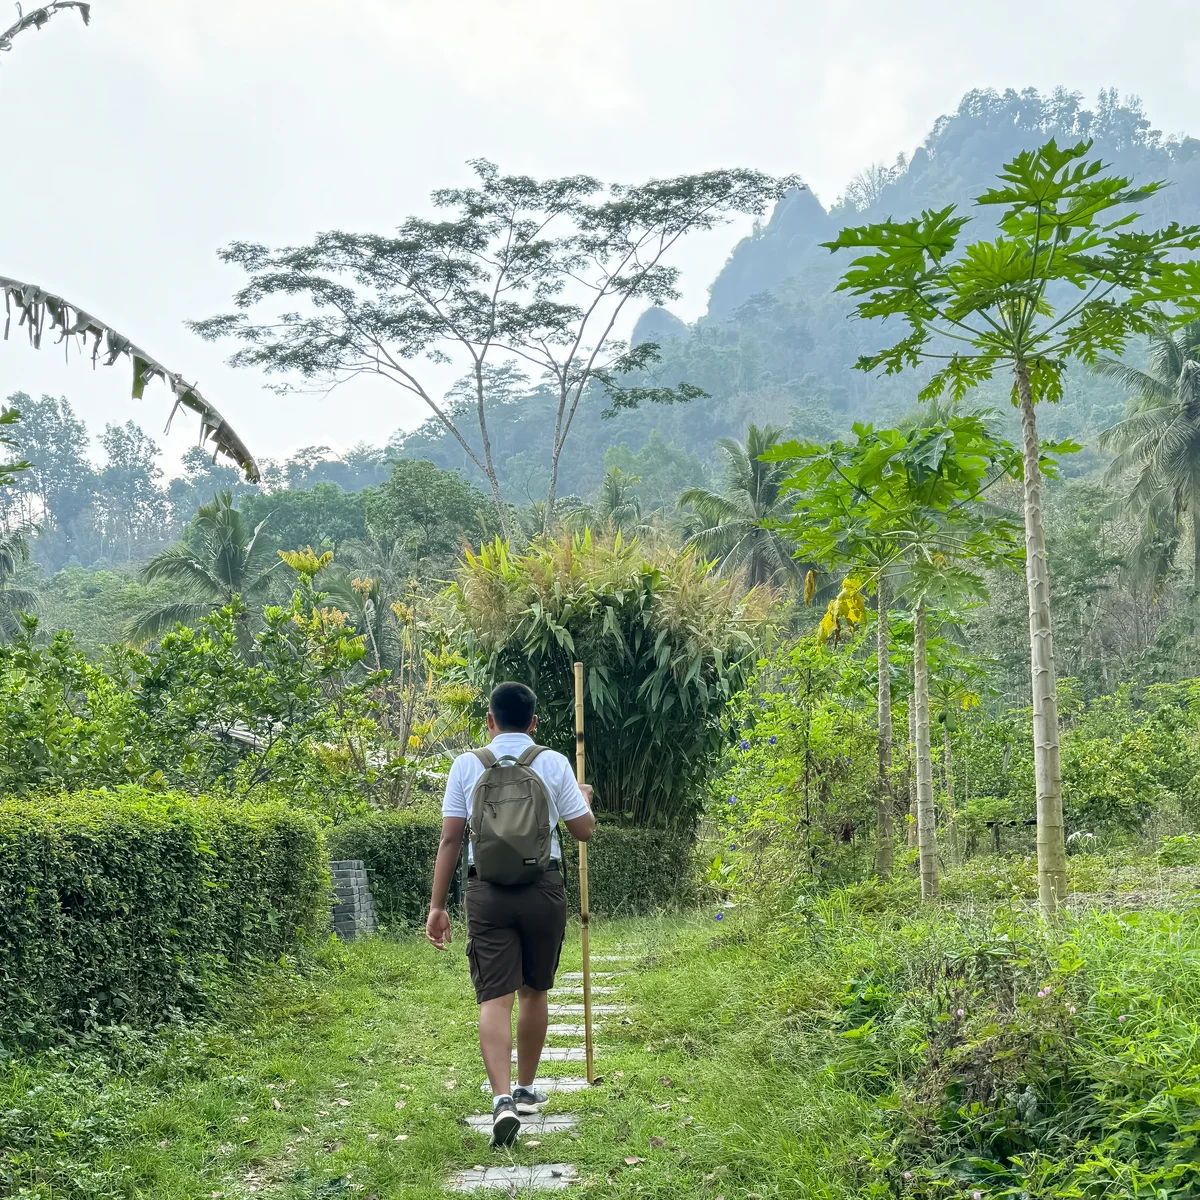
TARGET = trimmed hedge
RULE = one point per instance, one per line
(633, 870)
(398, 850)
(630, 870)
(123, 905)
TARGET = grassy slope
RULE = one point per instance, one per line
(737, 1059)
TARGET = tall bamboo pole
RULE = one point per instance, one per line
(583, 882)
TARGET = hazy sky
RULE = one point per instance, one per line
(136, 147)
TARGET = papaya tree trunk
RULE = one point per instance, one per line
(883, 797)
(912, 765)
(1051, 837)
(948, 781)
(926, 820)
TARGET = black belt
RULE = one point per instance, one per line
(555, 865)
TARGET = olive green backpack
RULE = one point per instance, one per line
(510, 820)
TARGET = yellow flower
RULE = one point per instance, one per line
(362, 586)
(850, 605)
(826, 628)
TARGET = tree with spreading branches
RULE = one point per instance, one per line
(1069, 276)
(518, 272)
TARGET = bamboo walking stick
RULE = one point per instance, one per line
(583, 883)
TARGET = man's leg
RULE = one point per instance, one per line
(495, 1042)
(532, 1015)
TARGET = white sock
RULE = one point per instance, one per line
(497, 1099)
(526, 1087)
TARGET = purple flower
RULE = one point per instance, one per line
(772, 740)
(1121, 1018)
(961, 1013)
(976, 1196)
(1071, 1010)
(733, 845)
(907, 1174)
(731, 800)
(719, 917)
(745, 744)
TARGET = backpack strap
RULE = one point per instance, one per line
(486, 757)
(529, 755)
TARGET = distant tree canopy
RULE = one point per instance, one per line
(427, 515)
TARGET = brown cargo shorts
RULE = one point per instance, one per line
(515, 934)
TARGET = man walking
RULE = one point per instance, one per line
(513, 794)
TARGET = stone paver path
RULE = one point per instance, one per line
(561, 1054)
(598, 1010)
(518, 1180)
(513, 1180)
(568, 1083)
(541, 1124)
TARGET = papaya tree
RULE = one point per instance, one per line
(1067, 277)
(41, 311)
(905, 507)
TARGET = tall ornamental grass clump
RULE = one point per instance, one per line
(123, 906)
(666, 644)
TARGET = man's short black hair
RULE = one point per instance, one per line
(513, 706)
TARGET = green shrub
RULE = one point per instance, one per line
(630, 870)
(124, 905)
(634, 871)
(1182, 851)
(398, 849)
(666, 643)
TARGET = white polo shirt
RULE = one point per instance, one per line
(552, 768)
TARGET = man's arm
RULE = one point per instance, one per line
(582, 827)
(437, 926)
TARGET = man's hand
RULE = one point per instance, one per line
(588, 794)
(437, 928)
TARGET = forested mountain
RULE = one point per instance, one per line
(776, 345)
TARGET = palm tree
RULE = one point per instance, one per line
(221, 560)
(737, 519)
(14, 554)
(618, 508)
(1159, 439)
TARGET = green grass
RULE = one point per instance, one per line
(773, 1057)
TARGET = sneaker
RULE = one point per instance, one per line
(506, 1125)
(528, 1099)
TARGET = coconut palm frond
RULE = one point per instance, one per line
(1159, 442)
(155, 622)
